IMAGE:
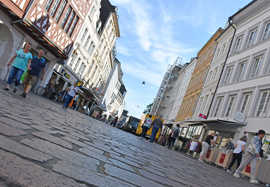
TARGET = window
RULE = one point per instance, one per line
(74, 23)
(93, 10)
(215, 73)
(240, 71)
(91, 48)
(60, 10)
(73, 57)
(66, 17)
(84, 35)
(228, 75)
(230, 105)
(210, 76)
(81, 69)
(54, 7)
(69, 21)
(204, 103)
(255, 66)
(87, 42)
(223, 48)
(266, 32)
(218, 106)
(77, 64)
(238, 42)
(245, 103)
(263, 103)
(218, 51)
(49, 4)
(251, 37)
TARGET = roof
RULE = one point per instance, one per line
(240, 10)
(106, 9)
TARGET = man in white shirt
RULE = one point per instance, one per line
(71, 93)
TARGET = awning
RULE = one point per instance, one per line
(217, 125)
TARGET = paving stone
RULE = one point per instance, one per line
(10, 131)
(25, 173)
(22, 150)
(87, 176)
(14, 123)
(53, 139)
(128, 176)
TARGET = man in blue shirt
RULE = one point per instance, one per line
(36, 67)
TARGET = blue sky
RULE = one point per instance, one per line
(155, 32)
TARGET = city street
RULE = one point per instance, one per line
(42, 145)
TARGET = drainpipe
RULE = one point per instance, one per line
(223, 67)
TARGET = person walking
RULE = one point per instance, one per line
(75, 101)
(251, 156)
(71, 92)
(156, 125)
(114, 121)
(146, 125)
(37, 66)
(174, 135)
(19, 63)
(237, 152)
(206, 145)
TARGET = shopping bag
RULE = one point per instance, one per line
(71, 102)
(23, 76)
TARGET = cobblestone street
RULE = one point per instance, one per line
(42, 145)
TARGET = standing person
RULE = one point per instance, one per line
(114, 122)
(193, 146)
(19, 63)
(75, 101)
(36, 67)
(206, 145)
(251, 156)
(156, 125)
(237, 152)
(71, 92)
(146, 125)
(229, 145)
(174, 135)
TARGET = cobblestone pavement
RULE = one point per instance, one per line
(42, 145)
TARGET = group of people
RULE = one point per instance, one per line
(242, 154)
(24, 64)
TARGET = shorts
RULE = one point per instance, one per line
(30, 79)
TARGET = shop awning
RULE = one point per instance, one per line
(218, 125)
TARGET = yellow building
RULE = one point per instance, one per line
(204, 59)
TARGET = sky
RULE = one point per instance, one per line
(155, 32)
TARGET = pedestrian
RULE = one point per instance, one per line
(238, 152)
(19, 63)
(251, 156)
(75, 101)
(206, 145)
(114, 121)
(173, 136)
(193, 146)
(37, 66)
(71, 92)
(156, 125)
(146, 125)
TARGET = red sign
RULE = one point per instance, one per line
(202, 116)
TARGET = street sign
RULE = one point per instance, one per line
(202, 116)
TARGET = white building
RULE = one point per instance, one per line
(244, 91)
(172, 90)
(115, 92)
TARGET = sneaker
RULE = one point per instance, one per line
(253, 181)
(7, 89)
(228, 171)
(236, 175)
(23, 95)
(15, 90)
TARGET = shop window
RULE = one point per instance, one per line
(230, 106)
(60, 10)
(263, 103)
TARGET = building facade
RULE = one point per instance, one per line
(243, 94)
(115, 92)
(204, 59)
